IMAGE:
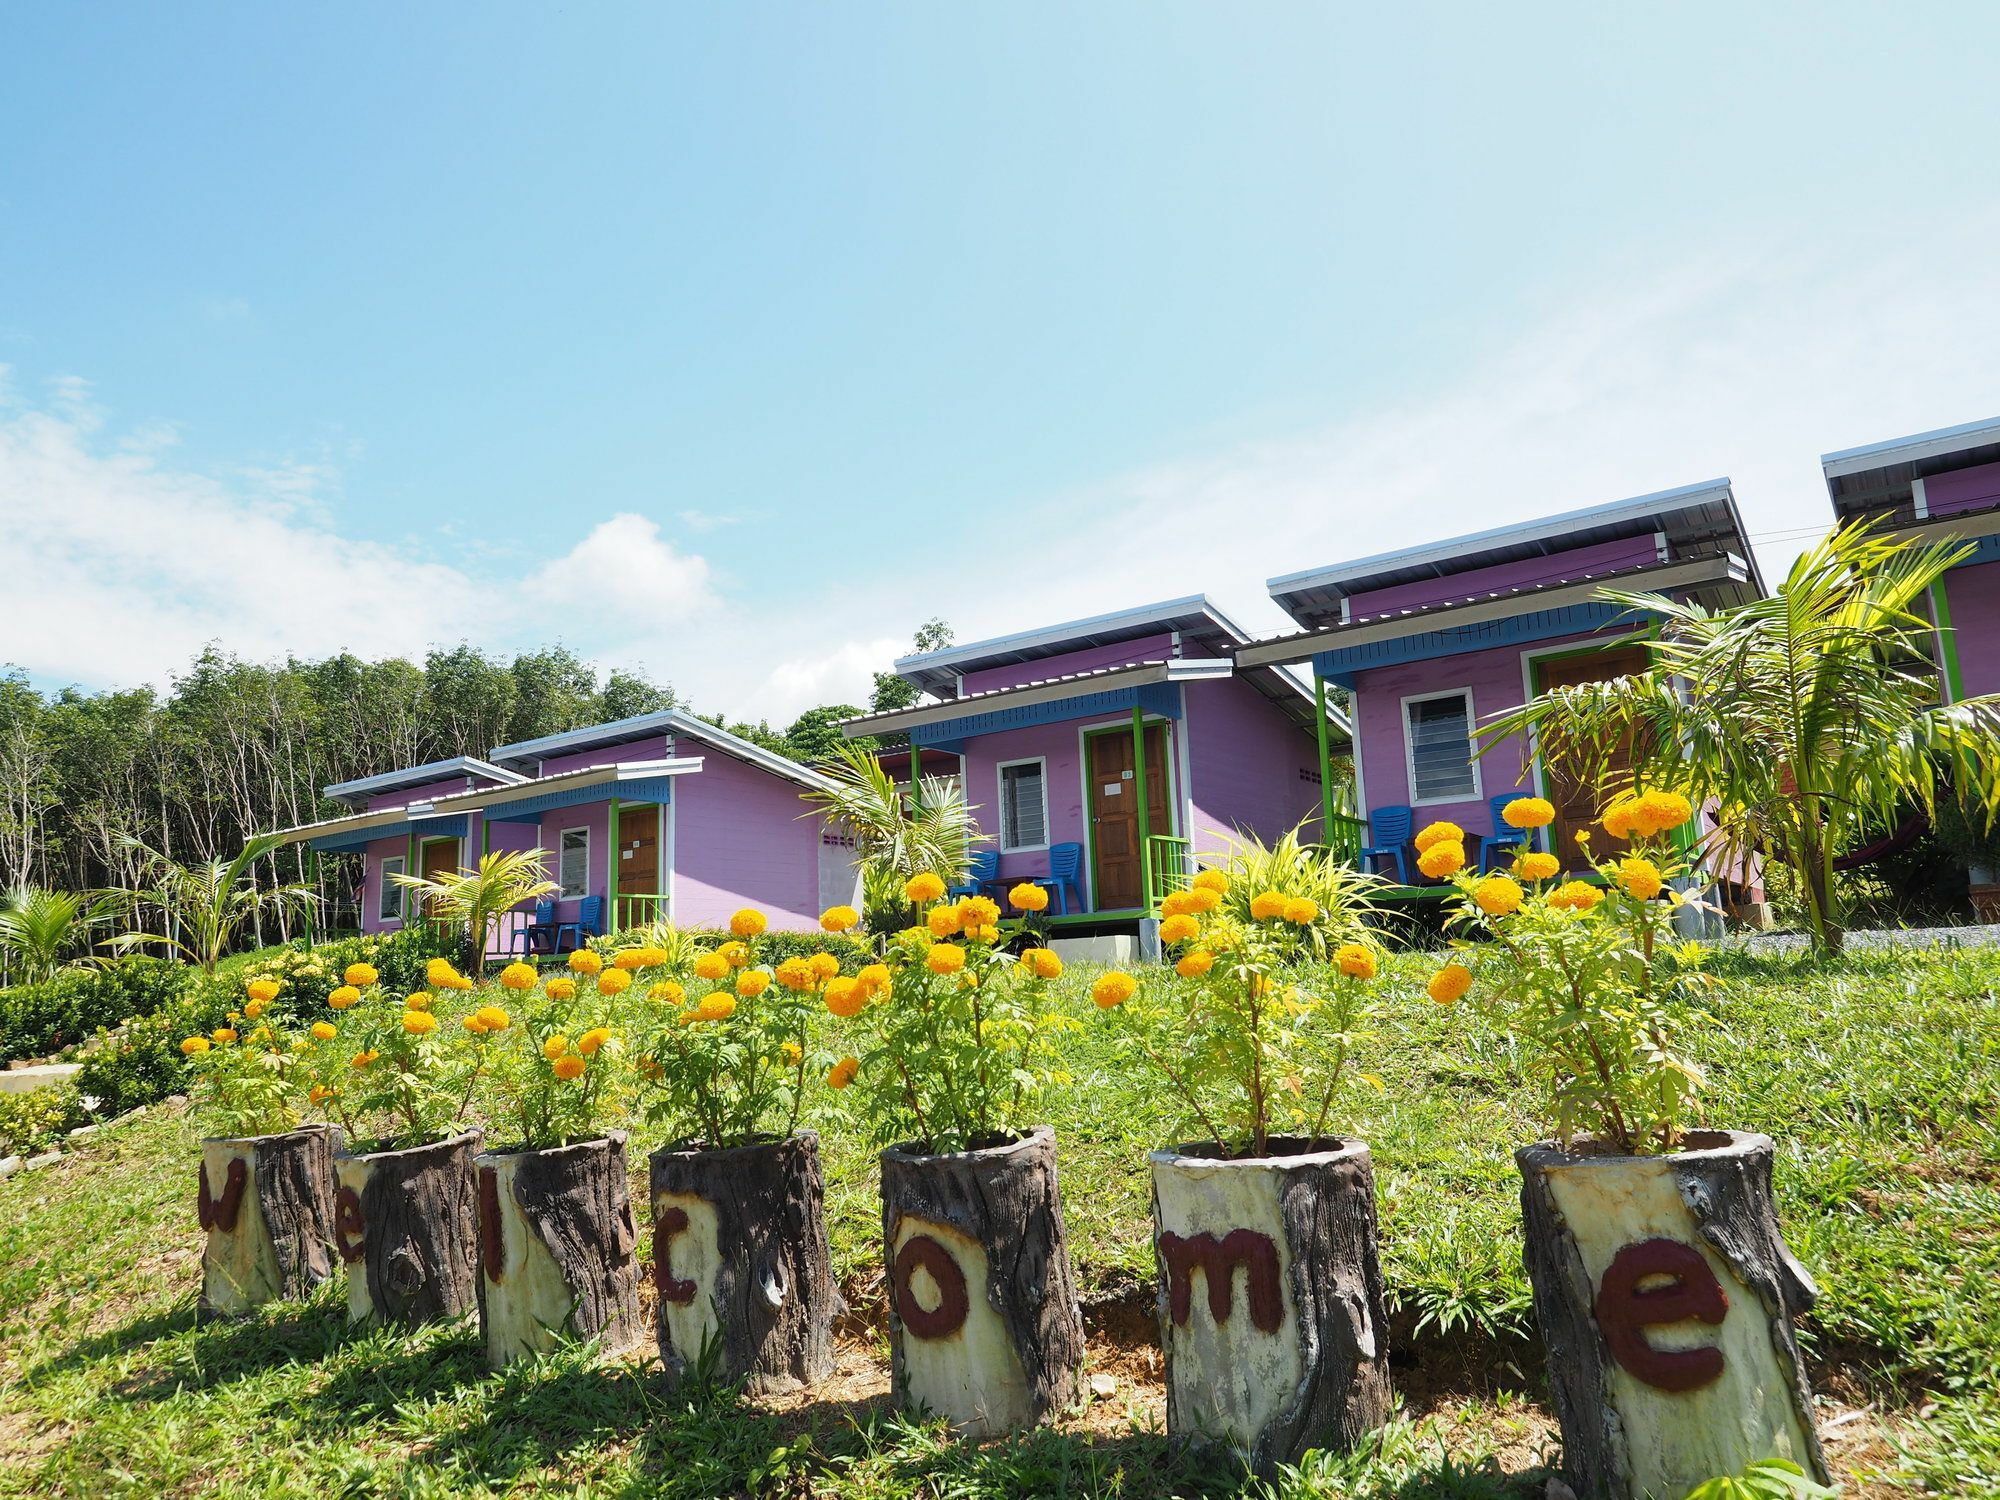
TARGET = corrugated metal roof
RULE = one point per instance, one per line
(1878, 479)
(388, 781)
(527, 754)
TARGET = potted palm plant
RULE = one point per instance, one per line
(557, 1241)
(399, 1077)
(1253, 1036)
(740, 1255)
(1663, 1287)
(266, 1179)
(478, 898)
(984, 1327)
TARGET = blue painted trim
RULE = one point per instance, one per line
(1158, 699)
(444, 827)
(1343, 665)
(530, 809)
(1985, 550)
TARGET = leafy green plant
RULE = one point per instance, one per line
(1764, 1479)
(1585, 975)
(37, 1020)
(905, 831)
(203, 909)
(32, 1121)
(556, 1074)
(478, 897)
(1246, 1036)
(247, 1071)
(41, 930)
(1803, 719)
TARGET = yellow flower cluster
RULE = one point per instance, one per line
(1529, 812)
(1027, 896)
(1640, 878)
(841, 1074)
(343, 997)
(1356, 960)
(1041, 962)
(923, 889)
(1449, 984)
(975, 917)
(1497, 895)
(585, 961)
(1575, 895)
(488, 1019)
(519, 976)
(1535, 865)
(360, 975)
(632, 959)
(1644, 814)
(262, 991)
(614, 982)
(748, 923)
(1113, 989)
(561, 988)
(839, 918)
(440, 975)
(1441, 850)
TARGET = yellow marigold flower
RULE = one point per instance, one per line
(585, 961)
(439, 973)
(1497, 895)
(1449, 984)
(845, 998)
(1113, 989)
(1529, 812)
(1356, 960)
(473, 1024)
(561, 988)
(194, 1045)
(418, 1001)
(1300, 910)
(569, 1067)
(1659, 811)
(1176, 904)
(736, 955)
(752, 983)
(519, 976)
(224, 1034)
(419, 1022)
(823, 965)
(324, 1031)
(1575, 895)
(343, 997)
(1534, 865)
(1442, 859)
(495, 1017)
(261, 1034)
(363, 1059)
(977, 912)
(319, 1093)
(1212, 880)
(650, 1069)
(613, 982)
(265, 990)
(1203, 898)
(1640, 878)
(841, 1074)
(719, 1006)
(1621, 818)
(747, 923)
(1027, 896)
(710, 966)
(796, 974)
(1045, 962)
(839, 918)
(945, 958)
(592, 1039)
(873, 978)
(1439, 833)
(667, 992)
(923, 889)
(1195, 963)
(360, 975)
(255, 1008)
(555, 1046)
(1179, 928)
(629, 959)
(1267, 904)
(791, 1055)
(942, 921)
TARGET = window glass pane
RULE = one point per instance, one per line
(1023, 808)
(389, 901)
(1440, 749)
(575, 875)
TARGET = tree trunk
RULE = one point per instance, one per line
(984, 1327)
(266, 1202)
(740, 1260)
(556, 1244)
(407, 1225)
(1618, 1245)
(1303, 1360)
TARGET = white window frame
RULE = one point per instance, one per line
(389, 889)
(1000, 769)
(1478, 792)
(563, 892)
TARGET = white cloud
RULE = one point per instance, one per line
(705, 521)
(624, 572)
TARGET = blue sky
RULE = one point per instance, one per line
(730, 340)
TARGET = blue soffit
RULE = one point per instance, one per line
(1340, 667)
(447, 827)
(530, 809)
(1160, 700)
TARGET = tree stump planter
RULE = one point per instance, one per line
(266, 1203)
(406, 1224)
(984, 1327)
(1270, 1298)
(556, 1249)
(1665, 1295)
(741, 1264)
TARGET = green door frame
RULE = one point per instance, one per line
(1325, 738)
(1137, 730)
(1954, 679)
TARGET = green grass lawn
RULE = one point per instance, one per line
(1878, 1075)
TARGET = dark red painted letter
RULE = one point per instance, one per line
(1217, 1260)
(953, 1303)
(672, 1288)
(1624, 1312)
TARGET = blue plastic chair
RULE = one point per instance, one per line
(589, 922)
(1505, 840)
(983, 872)
(1065, 873)
(540, 933)
(1389, 829)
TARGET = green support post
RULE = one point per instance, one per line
(410, 869)
(1954, 680)
(1145, 815)
(1325, 761)
(312, 879)
(613, 853)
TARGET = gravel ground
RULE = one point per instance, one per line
(1893, 937)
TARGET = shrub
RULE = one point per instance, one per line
(140, 1062)
(38, 1019)
(32, 1121)
(309, 974)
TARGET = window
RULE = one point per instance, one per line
(574, 863)
(389, 900)
(1024, 805)
(1438, 733)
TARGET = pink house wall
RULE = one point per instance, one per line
(742, 837)
(1574, 562)
(1962, 489)
(1974, 596)
(1060, 746)
(1251, 770)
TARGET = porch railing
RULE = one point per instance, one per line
(1169, 867)
(1345, 835)
(637, 911)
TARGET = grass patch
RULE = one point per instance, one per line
(1879, 1076)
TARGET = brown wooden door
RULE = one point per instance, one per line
(438, 859)
(1117, 883)
(639, 852)
(1577, 804)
